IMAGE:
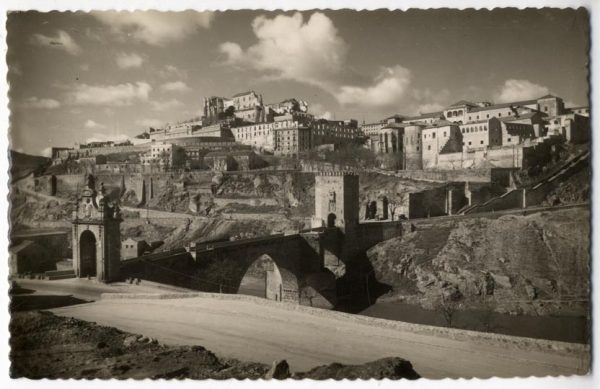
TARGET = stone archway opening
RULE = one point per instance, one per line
(87, 254)
(331, 220)
(265, 279)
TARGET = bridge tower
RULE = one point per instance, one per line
(336, 201)
(96, 235)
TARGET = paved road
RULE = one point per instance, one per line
(264, 332)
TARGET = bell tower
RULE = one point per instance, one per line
(96, 234)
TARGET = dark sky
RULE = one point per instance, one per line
(76, 76)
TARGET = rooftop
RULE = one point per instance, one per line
(503, 105)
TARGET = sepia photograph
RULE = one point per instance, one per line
(299, 194)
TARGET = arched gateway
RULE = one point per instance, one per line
(96, 236)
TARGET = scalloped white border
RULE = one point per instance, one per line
(592, 381)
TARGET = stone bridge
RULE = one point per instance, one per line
(277, 267)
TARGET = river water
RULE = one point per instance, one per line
(562, 328)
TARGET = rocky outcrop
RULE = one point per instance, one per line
(536, 264)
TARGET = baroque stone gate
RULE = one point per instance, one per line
(96, 235)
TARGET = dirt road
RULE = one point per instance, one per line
(263, 331)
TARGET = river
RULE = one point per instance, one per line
(562, 328)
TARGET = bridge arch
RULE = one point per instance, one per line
(264, 278)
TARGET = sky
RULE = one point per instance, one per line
(80, 77)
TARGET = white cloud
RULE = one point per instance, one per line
(62, 41)
(515, 90)
(312, 52)
(172, 71)
(153, 27)
(428, 108)
(46, 152)
(389, 87)
(165, 105)
(90, 124)
(129, 60)
(175, 86)
(149, 123)
(320, 112)
(109, 95)
(35, 102)
(102, 137)
(289, 48)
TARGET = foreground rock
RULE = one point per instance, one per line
(47, 346)
(391, 368)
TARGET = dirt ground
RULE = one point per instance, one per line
(47, 346)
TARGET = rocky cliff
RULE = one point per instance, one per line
(536, 264)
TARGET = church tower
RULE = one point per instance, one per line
(96, 235)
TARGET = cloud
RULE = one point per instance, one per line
(172, 71)
(46, 152)
(109, 95)
(165, 105)
(153, 27)
(515, 90)
(149, 123)
(175, 86)
(312, 52)
(129, 60)
(388, 88)
(35, 102)
(61, 41)
(428, 108)
(290, 48)
(102, 137)
(320, 112)
(90, 124)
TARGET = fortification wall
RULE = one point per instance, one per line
(371, 233)
(512, 199)
(470, 175)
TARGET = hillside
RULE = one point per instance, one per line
(23, 164)
(536, 264)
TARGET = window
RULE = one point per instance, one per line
(508, 140)
(428, 147)
(500, 115)
(463, 130)
(444, 133)
(481, 142)
(433, 135)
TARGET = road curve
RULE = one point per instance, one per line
(262, 332)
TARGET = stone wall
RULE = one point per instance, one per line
(470, 175)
